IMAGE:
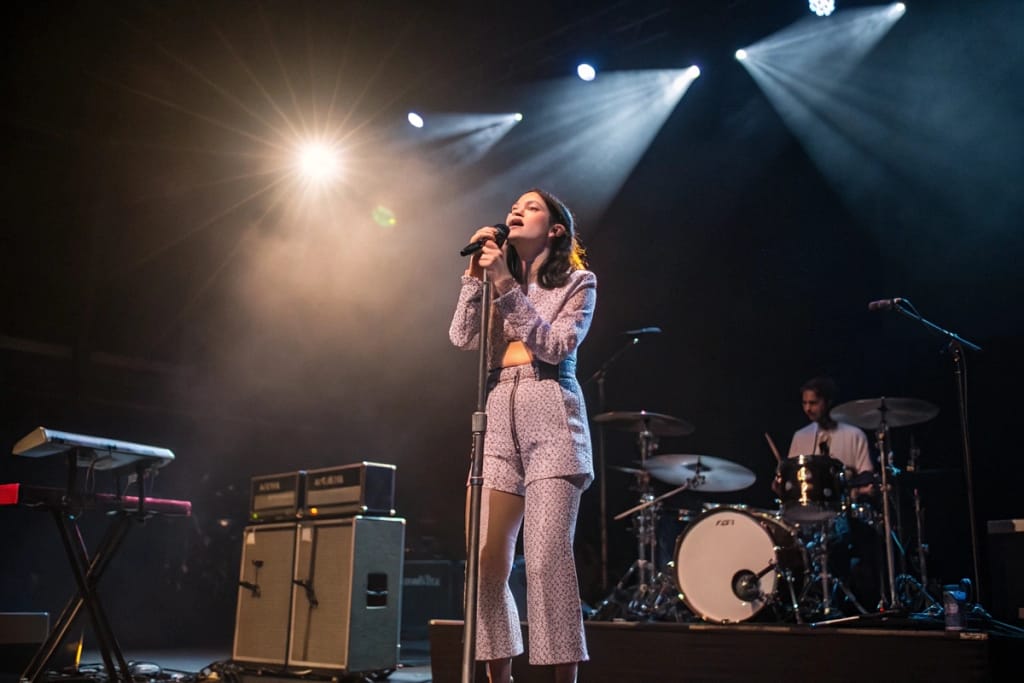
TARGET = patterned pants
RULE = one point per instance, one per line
(549, 509)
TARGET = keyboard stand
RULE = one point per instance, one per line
(88, 570)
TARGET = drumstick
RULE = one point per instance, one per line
(771, 444)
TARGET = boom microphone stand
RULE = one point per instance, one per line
(602, 484)
(956, 347)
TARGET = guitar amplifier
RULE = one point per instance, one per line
(363, 488)
(277, 497)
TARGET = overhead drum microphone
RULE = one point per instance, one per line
(499, 238)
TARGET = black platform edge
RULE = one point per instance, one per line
(650, 652)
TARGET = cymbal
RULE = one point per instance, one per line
(716, 474)
(642, 420)
(868, 413)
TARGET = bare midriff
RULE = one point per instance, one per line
(516, 354)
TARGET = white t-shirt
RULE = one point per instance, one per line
(846, 444)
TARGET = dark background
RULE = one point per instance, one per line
(151, 294)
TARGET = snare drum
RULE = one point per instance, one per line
(813, 487)
(730, 561)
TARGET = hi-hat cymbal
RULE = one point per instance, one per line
(706, 473)
(869, 413)
(642, 420)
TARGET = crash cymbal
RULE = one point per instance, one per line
(712, 474)
(869, 413)
(642, 420)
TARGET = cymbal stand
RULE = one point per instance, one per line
(884, 457)
(645, 521)
(906, 581)
(602, 486)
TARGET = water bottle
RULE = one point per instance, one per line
(954, 601)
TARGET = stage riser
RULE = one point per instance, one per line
(655, 652)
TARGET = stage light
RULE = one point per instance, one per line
(518, 117)
(680, 83)
(318, 163)
(415, 119)
(822, 8)
(898, 9)
(741, 54)
(586, 72)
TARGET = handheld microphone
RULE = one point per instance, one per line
(643, 330)
(885, 304)
(499, 238)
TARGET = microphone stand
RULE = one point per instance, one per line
(956, 347)
(599, 377)
(476, 480)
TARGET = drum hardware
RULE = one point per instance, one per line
(656, 593)
(879, 415)
(641, 572)
(732, 562)
(812, 488)
(702, 472)
(829, 582)
(648, 584)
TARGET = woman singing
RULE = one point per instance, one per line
(537, 451)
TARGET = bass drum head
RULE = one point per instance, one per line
(713, 551)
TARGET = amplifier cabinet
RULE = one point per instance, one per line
(265, 594)
(363, 488)
(347, 588)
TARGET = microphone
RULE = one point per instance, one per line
(643, 330)
(885, 304)
(474, 247)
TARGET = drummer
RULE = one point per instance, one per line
(854, 552)
(825, 436)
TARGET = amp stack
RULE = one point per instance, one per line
(320, 582)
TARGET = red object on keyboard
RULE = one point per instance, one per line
(43, 496)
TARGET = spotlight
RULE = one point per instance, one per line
(681, 82)
(822, 8)
(518, 117)
(415, 119)
(741, 54)
(318, 163)
(586, 72)
(898, 9)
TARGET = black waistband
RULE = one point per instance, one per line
(564, 370)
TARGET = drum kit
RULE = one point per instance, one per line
(731, 562)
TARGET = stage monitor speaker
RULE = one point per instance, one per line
(428, 592)
(347, 590)
(265, 594)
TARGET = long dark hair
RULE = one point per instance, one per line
(566, 253)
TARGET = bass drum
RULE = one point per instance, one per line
(729, 563)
